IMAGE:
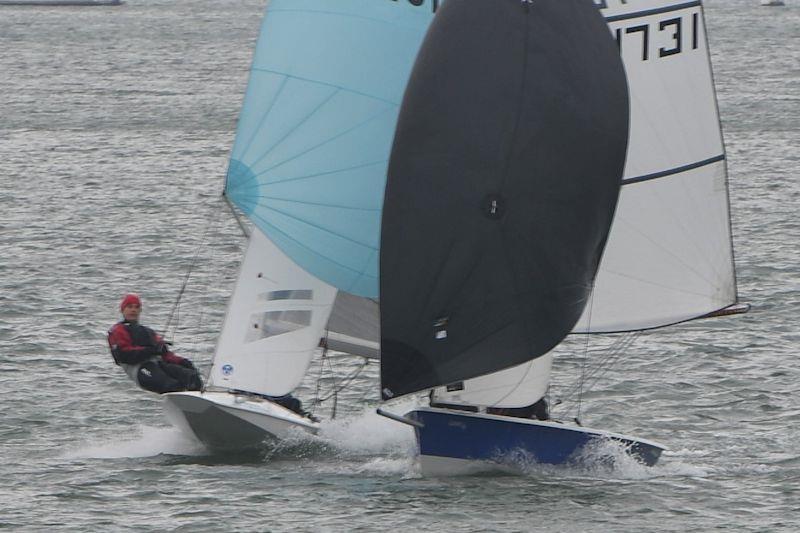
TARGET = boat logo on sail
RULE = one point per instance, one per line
(227, 370)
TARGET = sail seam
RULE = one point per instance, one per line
(311, 224)
(289, 133)
(274, 228)
(323, 143)
(320, 174)
(317, 204)
(673, 171)
(648, 12)
(339, 87)
(246, 146)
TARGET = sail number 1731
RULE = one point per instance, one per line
(665, 37)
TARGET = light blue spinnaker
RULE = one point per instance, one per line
(312, 146)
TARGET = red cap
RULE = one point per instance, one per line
(130, 299)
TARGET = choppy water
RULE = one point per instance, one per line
(115, 127)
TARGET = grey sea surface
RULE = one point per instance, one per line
(115, 128)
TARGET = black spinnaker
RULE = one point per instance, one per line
(503, 180)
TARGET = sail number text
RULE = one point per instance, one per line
(666, 37)
(672, 34)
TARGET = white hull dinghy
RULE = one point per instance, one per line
(307, 170)
(234, 421)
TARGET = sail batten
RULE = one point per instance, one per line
(672, 171)
(655, 11)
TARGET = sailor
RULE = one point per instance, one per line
(537, 410)
(145, 356)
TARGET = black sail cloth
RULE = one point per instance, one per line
(503, 180)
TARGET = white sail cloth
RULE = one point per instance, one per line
(275, 319)
(669, 257)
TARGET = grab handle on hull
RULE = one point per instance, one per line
(401, 419)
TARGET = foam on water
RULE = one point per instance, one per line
(116, 134)
(603, 459)
(368, 433)
(147, 442)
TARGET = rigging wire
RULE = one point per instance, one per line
(242, 226)
(588, 380)
(173, 320)
(603, 365)
(337, 387)
(582, 379)
(585, 361)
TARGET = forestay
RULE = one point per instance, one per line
(309, 162)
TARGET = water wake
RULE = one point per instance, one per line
(148, 442)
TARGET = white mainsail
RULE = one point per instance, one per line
(275, 319)
(669, 257)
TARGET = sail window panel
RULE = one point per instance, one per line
(302, 294)
(273, 323)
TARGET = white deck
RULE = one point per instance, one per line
(223, 420)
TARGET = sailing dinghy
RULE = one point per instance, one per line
(308, 169)
(541, 127)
